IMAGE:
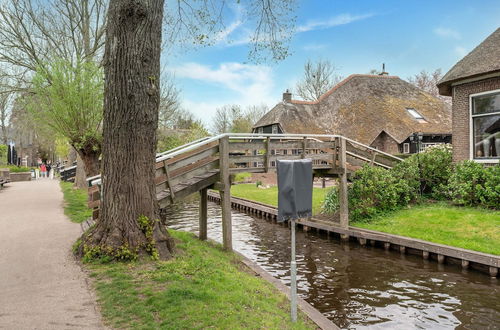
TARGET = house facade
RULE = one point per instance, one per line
(474, 84)
(381, 111)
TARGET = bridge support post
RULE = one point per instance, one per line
(203, 214)
(344, 211)
(225, 193)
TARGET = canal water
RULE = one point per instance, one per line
(359, 287)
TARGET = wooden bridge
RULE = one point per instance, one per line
(208, 163)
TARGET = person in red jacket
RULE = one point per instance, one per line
(43, 170)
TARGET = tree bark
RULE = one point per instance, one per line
(131, 104)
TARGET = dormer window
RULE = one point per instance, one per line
(416, 115)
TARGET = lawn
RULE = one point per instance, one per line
(468, 228)
(270, 196)
(202, 287)
(75, 206)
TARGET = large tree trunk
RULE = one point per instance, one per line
(132, 69)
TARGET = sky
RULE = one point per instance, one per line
(357, 36)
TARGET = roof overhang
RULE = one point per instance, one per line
(445, 87)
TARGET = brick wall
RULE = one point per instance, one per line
(460, 114)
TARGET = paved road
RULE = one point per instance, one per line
(41, 285)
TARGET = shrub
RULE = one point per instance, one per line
(258, 183)
(242, 177)
(472, 184)
(435, 166)
(3, 154)
(331, 203)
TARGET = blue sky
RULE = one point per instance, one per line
(357, 36)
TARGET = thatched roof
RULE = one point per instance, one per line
(484, 59)
(361, 107)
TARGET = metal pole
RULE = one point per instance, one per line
(293, 276)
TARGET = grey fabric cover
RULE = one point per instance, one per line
(294, 189)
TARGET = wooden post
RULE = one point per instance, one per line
(169, 184)
(304, 146)
(203, 214)
(336, 144)
(268, 154)
(344, 211)
(225, 193)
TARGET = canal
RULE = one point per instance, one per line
(359, 287)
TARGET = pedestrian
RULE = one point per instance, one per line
(48, 170)
(43, 170)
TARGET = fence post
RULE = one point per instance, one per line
(203, 214)
(225, 193)
(344, 210)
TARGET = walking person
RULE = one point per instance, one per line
(43, 170)
(49, 168)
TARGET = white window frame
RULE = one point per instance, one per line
(274, 129)
(260, 130)
(471, 127)
(406, 148)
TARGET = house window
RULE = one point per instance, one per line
(485, 118)
(260, 130)
(275, 129)
(406, 148)
(416, 115)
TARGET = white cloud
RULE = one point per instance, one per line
(341, 19)
(314, 47)
(243, 84)
(447, 33)
(461, 51)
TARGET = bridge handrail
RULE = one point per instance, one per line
(207, 140)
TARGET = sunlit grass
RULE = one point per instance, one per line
(203, 287)
(75, 206)
(270, 195)
(468, 228)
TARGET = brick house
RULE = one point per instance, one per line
(474, 84)
(378, 110)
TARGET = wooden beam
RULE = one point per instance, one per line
(344, 210)
(203, 214)
(267, 160)
(169, 182)
(304, 146)
(225, 193)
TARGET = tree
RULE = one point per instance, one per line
(5, 100)
(129, 209)
(232, 118)
(71, 106)
(319, 77)
(427, 81)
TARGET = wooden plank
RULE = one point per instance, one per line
(203, 214)
(213, 164)
(247, 159)
(182, 172)
(344, 210)
(186, 154)
(335, 153)
(225, 193)
(182, 192)
(243, 146)
(169, 182)
(206, 153)
(367, 154)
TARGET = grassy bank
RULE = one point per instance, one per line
(75, 206)
(463, 227)
(202, 287)
(270, 196)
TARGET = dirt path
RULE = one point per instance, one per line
(41, 285)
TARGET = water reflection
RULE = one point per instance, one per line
(359, 287)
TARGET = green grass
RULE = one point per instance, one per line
(17, 169)
(242, 177)
(202, 287)
(464, 227)
(270, 196)
(75, 206)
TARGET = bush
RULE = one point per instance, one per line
(242, 177)
(435, 169)
(331, 203)
(3, 154)
(18, 169)
(472, 184)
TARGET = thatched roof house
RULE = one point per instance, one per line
(474, 83)
(378, 110)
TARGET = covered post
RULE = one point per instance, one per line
(225, 193)
(203, 214)
(344, 210)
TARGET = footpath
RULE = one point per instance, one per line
(41, 284)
